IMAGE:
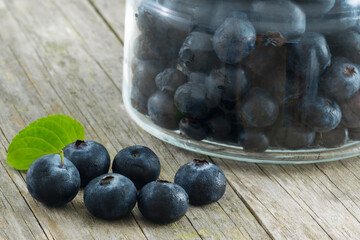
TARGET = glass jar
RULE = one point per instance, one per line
(272, 81)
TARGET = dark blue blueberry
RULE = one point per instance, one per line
(110, 196)
(169, 80)
(219, 12)
(197, 77)
(315, 8)
(163, 202)
(234, 40)
(258, 108)
(193, 129)
(332, 139)
(90, 158)
(52, 183)
(203, 181)
(139, 100)
(354, 134)
(320, 114)
(220, 128)
(144, 76)
(278, 16)
(350, 109)
(148, 48)
(346, 44)
(225, 86)
(342, 16)
(162, 110)
(300, 53)
(197, 53)
(138, 163)
(149, 18)
(291, 136)
(341, 80)
(253, 140)
(191, 100)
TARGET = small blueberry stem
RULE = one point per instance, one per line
(62, 157)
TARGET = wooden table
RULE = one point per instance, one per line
(65, 56)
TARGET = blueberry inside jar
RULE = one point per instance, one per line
(252, 80)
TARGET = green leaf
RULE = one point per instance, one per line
(45, 136)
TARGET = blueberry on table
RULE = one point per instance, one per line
(341, 80)
(253, 140)
(90, 158)
(278, 16)
(193, 129)
(258, 108)
(139, 163)
(226, 85)
(320, 114)
(315, 8)
(169, 80)
(162, 110)
(332, 139)
(346, 44)
(234, 40)
(110, 196)
(191, 100)
(163, 202)
(300, 53)
(53, 180)
(197, 53)
(351, 111)
(203, 181)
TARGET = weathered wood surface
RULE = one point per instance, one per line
(65, 56)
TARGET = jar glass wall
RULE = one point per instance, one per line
(262, 81)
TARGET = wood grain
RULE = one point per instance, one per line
(65, 56)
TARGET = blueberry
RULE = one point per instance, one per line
(234, 40)
(138, 163)
(258, 108)
(193, 129)
(220, 128)
(341, 80)
(203, 181)
(342, 16)
(351, 111)
(197, 77)
(332, 139)
(320, 114)
(163, 202)
(144, 76)
(169, 80)
(253, 140)
(291, 136)
(191, 100)
(315, 8)
(90, 158)
(225, 86)
(219, 10)
(300, 53)
(51, 181)
(147, 48)
(354, 134)
(110, 196)
(197, 53)
(149, 18)
(346, 44)
(278, 16)
(139, 100)
(162, 110)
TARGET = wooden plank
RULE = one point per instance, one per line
(57, 60)
(113, 13)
